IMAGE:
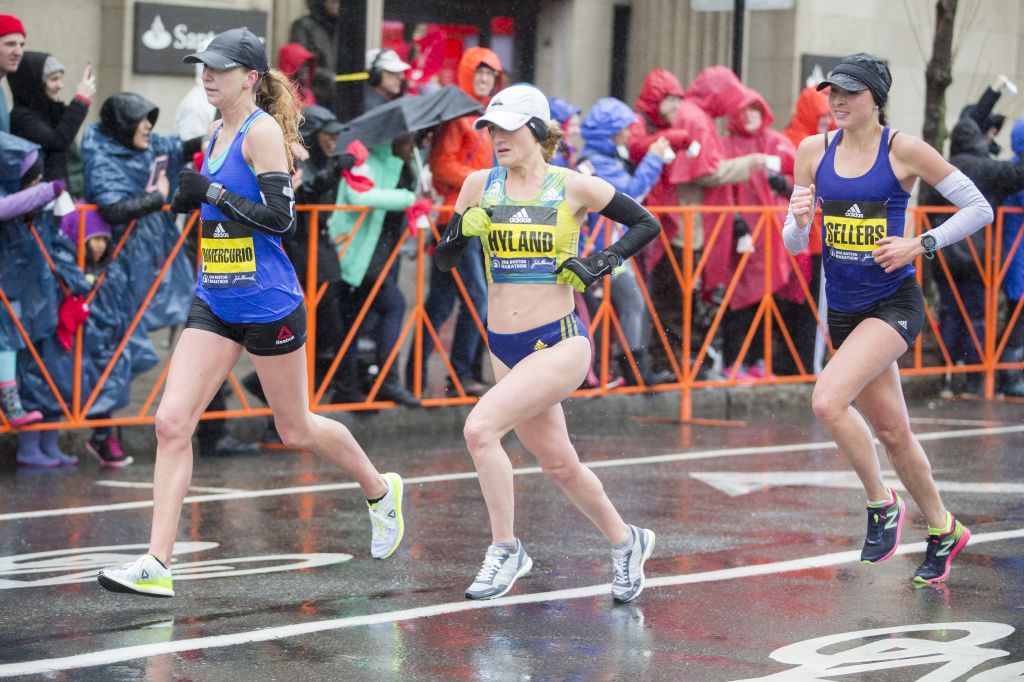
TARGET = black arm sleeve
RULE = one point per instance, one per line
(274, 217)
(190, 147)
(643, 227)
(130, 209)
(453, 243)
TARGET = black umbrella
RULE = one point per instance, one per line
(408, 115)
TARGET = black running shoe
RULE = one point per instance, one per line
(884, 527)
(940, 552)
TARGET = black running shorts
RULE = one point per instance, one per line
(259, 338)
(903, 311)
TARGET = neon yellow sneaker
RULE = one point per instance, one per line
(386, 517)
(146, 576)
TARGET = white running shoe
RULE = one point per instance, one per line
(629, 565)
(145, 576)
(499, 572)
(386, 517)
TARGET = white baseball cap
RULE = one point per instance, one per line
(514, 107)
(386, 60)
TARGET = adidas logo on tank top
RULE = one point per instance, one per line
(552, 194)
(854, 212)
(520, 216)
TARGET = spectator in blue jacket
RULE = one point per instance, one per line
(568, 116)
(1010, 382)
(605, 133)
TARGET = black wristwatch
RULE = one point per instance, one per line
(213, 193)
(930, 244)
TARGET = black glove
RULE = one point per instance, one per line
(739, 226)
(343, 161)
(780, 184)
(592, 268)
(181, 204)
(193, 186)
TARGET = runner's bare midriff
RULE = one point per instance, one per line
(513, 308)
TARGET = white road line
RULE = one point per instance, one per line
(459, 476)
(142, 484)
(946, 421)
(111, 656)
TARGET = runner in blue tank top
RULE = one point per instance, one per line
(862, 176)
(247, 297)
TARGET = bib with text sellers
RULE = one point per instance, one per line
(229, 257)
(851, 230)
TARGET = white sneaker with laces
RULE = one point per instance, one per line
(499, 572)
(386, 518)
(629, 565)
(145, 576)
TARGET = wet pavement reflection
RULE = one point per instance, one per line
(755, 572)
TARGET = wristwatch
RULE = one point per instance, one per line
(213, 193)
(930, 244)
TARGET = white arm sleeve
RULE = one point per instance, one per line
(974, 214)
(793, 237)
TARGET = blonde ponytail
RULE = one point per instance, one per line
(550, 143)
(275, 94)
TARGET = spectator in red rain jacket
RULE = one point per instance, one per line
(811, 116)
(299, 64)
(750, 133)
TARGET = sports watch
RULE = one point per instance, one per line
(930, 244)
(215, 188)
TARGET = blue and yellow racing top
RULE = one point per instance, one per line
(529, 239)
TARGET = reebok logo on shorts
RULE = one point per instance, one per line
(854, 212)
(284, 336)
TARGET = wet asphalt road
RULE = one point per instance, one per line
(759, 530)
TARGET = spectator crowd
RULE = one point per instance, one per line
(127, 269)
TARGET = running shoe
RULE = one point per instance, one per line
(940, 552)
(146, 576)
(499, 572)
(629, 564)
(108, 451)
(884, 527)
(386, 517)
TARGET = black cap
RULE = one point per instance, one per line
(861, 71)
(319, 119)
(232, 48)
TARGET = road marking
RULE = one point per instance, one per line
(142, 484)
(466, 475)
(737, 483)
(118, 655)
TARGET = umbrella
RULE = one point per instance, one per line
(408, 115)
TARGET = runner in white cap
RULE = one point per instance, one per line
(527, 214)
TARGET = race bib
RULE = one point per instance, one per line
(229, 257)
(522, 240)
(851, 230)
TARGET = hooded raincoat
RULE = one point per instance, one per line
(37, 118)
(1014, 282)
(756, 192)
(291, 59)
(459, 150)
(116, 179)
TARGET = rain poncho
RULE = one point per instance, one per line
(1014, 282)
(116, 172)
(601, 158)
(757, 192)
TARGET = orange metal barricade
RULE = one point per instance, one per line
(686, 349)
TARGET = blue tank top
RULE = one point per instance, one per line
(857, 212)
(246, 276)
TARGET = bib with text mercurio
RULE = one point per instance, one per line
(852, 229)
(229, 257)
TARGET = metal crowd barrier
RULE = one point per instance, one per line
(685, 357)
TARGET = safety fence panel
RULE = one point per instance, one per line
(700, 307)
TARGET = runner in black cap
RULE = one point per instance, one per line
(247, 297)
(863, 176)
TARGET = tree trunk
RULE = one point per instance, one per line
(939, 75)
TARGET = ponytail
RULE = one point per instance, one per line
(275, 94)
(549, 145)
